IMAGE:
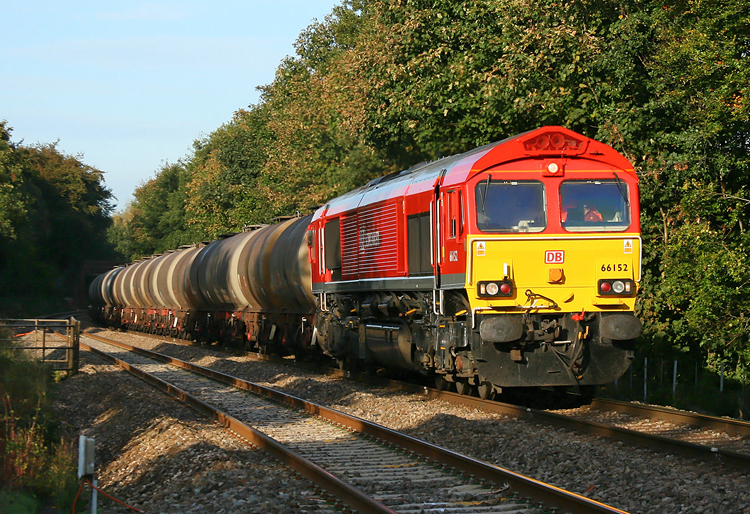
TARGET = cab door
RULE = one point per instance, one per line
(451, 229)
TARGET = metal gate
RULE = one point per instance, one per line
(51, 341)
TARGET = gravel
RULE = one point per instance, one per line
(160, 456)
(156, 454)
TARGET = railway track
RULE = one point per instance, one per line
(369, 467)
(722, 441)
(712, 439)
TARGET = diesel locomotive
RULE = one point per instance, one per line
(513, 265)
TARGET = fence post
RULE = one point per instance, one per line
(674, 380)
(632, 365)
(645, 378)
(721, 380)
(661, 373)
(76, 346)
(696, 374)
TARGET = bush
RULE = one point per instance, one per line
(33, 464)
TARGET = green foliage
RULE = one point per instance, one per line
(156, 220)
(382, 84)
(32, 464)
(695, 180)
(17, 502)
(12, 201)
(227, 187)
(316, 111)
(445, 77)
(54, 212)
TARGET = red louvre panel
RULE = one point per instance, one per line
(378, 241)
(349, 247)
(369, 247)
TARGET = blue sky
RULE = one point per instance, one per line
(131, 85)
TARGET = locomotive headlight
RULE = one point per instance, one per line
(618, 287)
(492, 288)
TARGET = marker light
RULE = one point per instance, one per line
(553, 142)
(495, 288)
(616, 287)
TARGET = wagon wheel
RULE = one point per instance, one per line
(441, 384)
(463, 387)
(486, 391)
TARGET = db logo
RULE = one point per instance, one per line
(554, 257)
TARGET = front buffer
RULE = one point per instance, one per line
(534, 350)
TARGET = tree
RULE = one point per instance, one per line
(316, 111)
(445, 77)
(696, 179)
(12, 171)
(54, 213)
(227, 187)
(157, 220)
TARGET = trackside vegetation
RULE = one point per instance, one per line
(380, 85)
(37, 465)
(54, 214)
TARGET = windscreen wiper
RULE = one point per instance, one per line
(620, 188)
(484, 197)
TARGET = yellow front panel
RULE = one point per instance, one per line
(565, 270)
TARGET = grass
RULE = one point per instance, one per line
(17, 502)
(36, 464)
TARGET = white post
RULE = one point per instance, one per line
(721, 381)
(86, 447)
(93, 495)
(674, 380)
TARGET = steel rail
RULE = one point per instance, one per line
(654, 442)
(322, 478)
(730, 425)
(552, 496)
(705, 453)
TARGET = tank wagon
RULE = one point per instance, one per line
(513, 265)
(251, 288)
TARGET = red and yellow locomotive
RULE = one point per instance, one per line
(513, 265)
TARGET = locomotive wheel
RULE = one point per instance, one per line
(486, 391)
(463, 387)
